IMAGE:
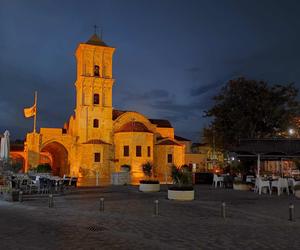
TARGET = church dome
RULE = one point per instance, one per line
(133, 127)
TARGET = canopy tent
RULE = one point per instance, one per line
(267, 149)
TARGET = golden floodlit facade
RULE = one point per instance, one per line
(97, 140)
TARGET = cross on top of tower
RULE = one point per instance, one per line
(96, 29)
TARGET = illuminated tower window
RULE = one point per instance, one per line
(138, 151)
(126, 150)
(96, 70)
(97, 157)
(149, 151)
(170, 158)
(96, 99)
(96, 123)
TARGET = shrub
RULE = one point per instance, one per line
(182, 175)
(147, 169)
(182, 188)
(43, 168)
(297, 187)
(149, 182)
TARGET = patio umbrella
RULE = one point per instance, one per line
(4, 151)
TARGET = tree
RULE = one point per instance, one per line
(251, 109)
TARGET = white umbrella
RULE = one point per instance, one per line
(5, 146)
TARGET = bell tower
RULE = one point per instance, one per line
(93, 112)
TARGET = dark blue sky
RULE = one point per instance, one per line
(171, 56)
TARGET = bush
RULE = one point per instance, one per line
(182, 188)
(147, 169)
(297, 187)
(182, 175)
(149, 182)
(43, 168)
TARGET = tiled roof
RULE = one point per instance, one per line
(178, 138)
(96, 141)
(116, 113)
(161, 123)
(268, 146)
(95, 40)
(168, 142)
(133, 127)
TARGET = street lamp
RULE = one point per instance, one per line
(291, 131)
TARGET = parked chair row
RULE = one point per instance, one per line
(281, 184)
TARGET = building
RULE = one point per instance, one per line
(97, 140)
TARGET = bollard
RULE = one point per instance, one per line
(101, 204)
(50, 202)
(223, 210)
(156, 205)
(21, 196)
(291, 212)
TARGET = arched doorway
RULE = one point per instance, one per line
(18, 160)
(58, 158)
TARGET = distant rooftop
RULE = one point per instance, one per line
(161, 123)
(179, 138)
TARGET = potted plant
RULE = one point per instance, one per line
(149, 184)
(182, 188)
(10, 194)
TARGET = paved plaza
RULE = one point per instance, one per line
(75, 222)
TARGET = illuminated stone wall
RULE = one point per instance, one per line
(82, 137)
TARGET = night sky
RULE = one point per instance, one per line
(171, 56)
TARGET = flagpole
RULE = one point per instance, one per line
(35, 104)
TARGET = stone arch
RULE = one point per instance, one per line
(59, 157)
(131, 116)
(18, 157)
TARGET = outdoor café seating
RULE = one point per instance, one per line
(218, 180)
(260, 184)
(280, 184)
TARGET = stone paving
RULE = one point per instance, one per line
(75, 222)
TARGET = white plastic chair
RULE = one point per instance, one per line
(217, 180)
(281, 184)
(293, 183)
(260, 184)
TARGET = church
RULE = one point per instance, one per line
(98, 139)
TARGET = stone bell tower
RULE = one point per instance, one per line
(93, 112)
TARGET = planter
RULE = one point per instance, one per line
(149, 187)
(297, 193)
(11, 196)
(181, 195)
(241, 186)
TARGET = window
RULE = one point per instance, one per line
(126, 150)
(96, 99)
(138, 151)
(170, 158)
(97, 157)
(96, 123)
(96, 70)
(149, 151)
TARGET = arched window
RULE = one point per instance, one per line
(96, 99)
(96, 70)
(96, 123)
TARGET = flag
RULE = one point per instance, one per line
(29, 112)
